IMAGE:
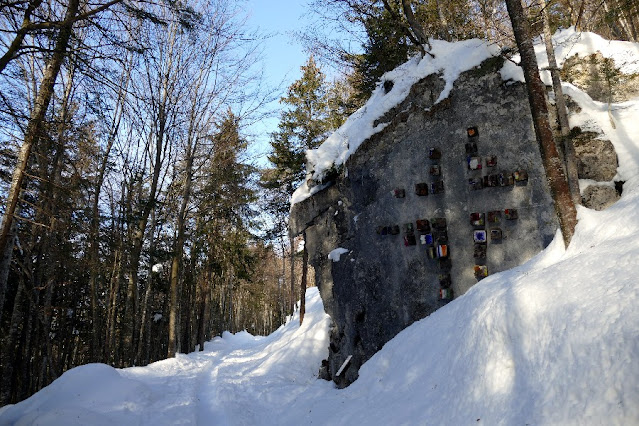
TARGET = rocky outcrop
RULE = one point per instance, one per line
(596, 161)
(405, 253)
(596, 158)
(599, 197)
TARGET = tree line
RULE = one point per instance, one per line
(136, 223)
(132, 222)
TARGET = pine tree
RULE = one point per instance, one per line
(386, 47)
(304, 124)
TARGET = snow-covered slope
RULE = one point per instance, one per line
(237, 379)
(554, 341)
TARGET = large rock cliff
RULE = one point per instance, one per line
(445, 194)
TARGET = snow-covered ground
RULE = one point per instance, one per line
(554, 341)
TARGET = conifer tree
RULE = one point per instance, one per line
(304, 124)
(386, 47)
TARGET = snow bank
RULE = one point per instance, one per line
(569, 43)
(237, 379)
(555, 341)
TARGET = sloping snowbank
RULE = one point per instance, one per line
(555, 341)
(237, 379)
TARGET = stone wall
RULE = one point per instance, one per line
(381, 285)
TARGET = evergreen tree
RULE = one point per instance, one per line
(304, 124)
(386, 47)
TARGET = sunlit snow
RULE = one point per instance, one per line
(335, 254)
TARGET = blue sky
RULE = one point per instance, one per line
(282, 21)
(283, 53)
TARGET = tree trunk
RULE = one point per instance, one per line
(5, 266)
(624, 22)
(570, 160)
(45, 93)
(291, 307)
(415, 26)
(131, 305)
(443, 22)
(144, 314)
(559, 188)
(7, 355)
(94, 232)
(178, 248)
(615, 24)
(203, 320)
(281, 284)
(112, 307)
(304, 281)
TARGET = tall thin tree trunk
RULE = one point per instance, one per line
(178, 248)
(112, 307)
(557, 182)
(281, 284)
(94, 232)
(205, 296)
(46, 267)
(144, 313)
(45, 93)
(562, 112)
(7, 354)
(292, 292)
(624, 22)
(616, 24)
(230, 302)
(304, 281)
(443, 22)
(5, 265)
(53, 370)
(131, 306)
(415, 26)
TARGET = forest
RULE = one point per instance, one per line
(137, 220)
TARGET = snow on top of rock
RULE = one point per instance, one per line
(335, 255)
(451, 59)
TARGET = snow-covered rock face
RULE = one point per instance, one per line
(450, 60)
(368, 177)
(394, 268)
